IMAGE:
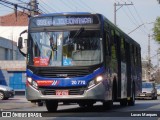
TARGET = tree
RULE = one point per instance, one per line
(156, 30)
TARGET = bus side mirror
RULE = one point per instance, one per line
(20, 43)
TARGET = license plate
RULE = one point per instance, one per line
(62, 92)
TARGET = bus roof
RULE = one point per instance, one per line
(65, 13)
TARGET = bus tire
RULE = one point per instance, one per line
(131, 102)
(40, 103)
(82, 105)
(114, 91)
(51, 105)
(86, 104)
(123, 102)
(107, 105)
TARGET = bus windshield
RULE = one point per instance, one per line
(66, 48)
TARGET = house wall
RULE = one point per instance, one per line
(13, 74)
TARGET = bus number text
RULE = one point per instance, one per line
(78, 82)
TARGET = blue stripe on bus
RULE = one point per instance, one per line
(67, 82)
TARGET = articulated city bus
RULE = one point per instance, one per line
(81, 58)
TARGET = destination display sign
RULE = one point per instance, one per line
(72, 21)
(47, 21)
(64, 20)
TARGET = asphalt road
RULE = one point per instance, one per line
(73, 111)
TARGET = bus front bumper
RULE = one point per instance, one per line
(97, 92)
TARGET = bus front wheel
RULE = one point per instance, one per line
(51, 105)
(89, 104)
(123, 102)
(108, 105)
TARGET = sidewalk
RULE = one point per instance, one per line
(15, 103)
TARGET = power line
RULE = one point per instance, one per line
(134, 21)
(67, 5)
(56, 6)
(47, 6)
(12, 8)
(46, 11)
(16, 6)
(132, 15)
(22, 2)
(10, 3)
(129, 18)
(139, 16)
(44, 8)
(84, 4)
(79, 5)
(143, 30)
(135, 29)
(6, 6)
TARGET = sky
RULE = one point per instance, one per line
(142, 13)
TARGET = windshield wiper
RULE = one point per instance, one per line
(78, 32)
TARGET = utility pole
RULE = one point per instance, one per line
(149, 58)
(116, 9)
(34, 7)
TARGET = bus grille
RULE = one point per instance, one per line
(73, 91)
(63, 72)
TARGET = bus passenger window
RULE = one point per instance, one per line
(108, 48)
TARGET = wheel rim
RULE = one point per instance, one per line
(1, 95)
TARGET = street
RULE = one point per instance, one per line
(20, 104)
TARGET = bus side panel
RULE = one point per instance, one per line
(128, 57)
(138, 72)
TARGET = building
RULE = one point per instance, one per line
(8, 49)
(12, 63)
(12, 25)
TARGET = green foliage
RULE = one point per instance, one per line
(156, 30)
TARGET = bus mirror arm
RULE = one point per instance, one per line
(24, 54)
(25, 31)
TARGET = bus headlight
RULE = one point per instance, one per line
(97, 80)
(32, 82)
(29, 80)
